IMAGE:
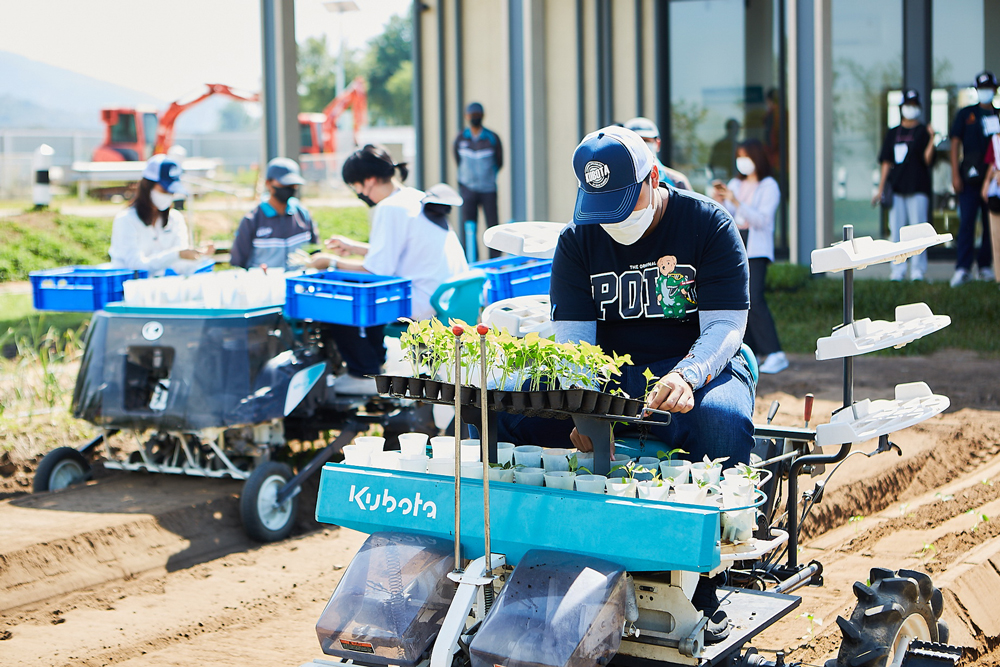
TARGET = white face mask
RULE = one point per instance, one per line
(631, 229)
(910, 112)
(161, 200)
(986, 95)
(745, 166)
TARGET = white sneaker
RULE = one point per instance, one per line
(960, 278)
(917, 277)
(897, 277)
(355, 386)
(774, 363)
(987, 274)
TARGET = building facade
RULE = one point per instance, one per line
(818, 81)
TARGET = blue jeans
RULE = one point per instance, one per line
(908, 210)
(970, 204)
(720, 424)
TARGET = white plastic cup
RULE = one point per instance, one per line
(555, 459)
(650, 462)
(690, 493)
(560, 479)
(472, 469)
(414, 463)
(529, 456)
(676, 471)
(653, 489)
(413, 444)
(443, 447)
(585, 460)
(620, 486)
(386, 460)
(370, 443)
(706, 473)
(471, 451)
(443, 467)
(530, 476)
(502, 475)
(354, 455)
(505, 452)
(590, 483)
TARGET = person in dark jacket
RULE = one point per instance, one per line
(479, 155)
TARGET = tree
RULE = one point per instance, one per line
(234, 118)
(318, 73)
(390, 101)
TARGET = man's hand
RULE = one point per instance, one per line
(580, 441)
(956, 182)
(671, 393)
(189, 253)
(343, 246)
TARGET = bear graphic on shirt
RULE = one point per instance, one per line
(674, 291)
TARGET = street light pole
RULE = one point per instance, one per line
(341, 7)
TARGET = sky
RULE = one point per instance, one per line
(169, 49)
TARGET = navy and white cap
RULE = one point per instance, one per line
(910, 96)
(284, 171)
(611, 165)
(442, 193)
(986, 80)
(164, 170)
(644, 127)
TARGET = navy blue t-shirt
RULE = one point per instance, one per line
(645, 297)
(974, 126)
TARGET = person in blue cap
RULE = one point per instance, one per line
(479, 156)
(151, 235)
(277, 228)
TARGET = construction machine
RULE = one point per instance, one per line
(319, 130)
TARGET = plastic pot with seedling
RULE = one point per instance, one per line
(624, 484)
(693, 493)
(673, 469)
(503, 472)
(708, 470)
(653, 489)
(582, 463)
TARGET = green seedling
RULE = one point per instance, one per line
(944, 496)
(715, 463)
(574, 465)
(509, 465)
(748, 471)
(987, 481)
(669, 456)
(977, 518)
(926, 551)
(813, 621)
(856, 521)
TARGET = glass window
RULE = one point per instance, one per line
(867, 64)
(305, 136)
(149, 127)
(123, 132)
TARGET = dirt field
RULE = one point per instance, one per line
(154, 571)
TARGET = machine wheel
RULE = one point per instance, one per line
(62, 467)
(895, 609)
(262, 520)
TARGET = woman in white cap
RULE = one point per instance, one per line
(150, 234)
(410, 238)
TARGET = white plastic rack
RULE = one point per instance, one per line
(521, 315)
(857, 253)
(525, 239)
(913, 321)
(868, 419)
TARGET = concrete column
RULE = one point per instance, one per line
(918, 64)
(515, 155)
(280, 97)
(810, 128)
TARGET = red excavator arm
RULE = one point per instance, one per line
(354, 96)
(165, 132)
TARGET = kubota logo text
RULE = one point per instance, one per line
(363, 497)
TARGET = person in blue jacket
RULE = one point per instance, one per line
(479, 155)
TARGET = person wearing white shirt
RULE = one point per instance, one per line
(752, 198)
(150, 234)
(410, 238)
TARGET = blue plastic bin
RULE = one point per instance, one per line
(80, 288)
(341, 297)
(507, 277)
(207, 266)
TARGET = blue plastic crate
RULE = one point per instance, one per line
(80, 288)
(507, 277)
(341, 297)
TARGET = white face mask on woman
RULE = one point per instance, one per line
(910, 111)
(161, 200)
(631, 229)
(745, 166)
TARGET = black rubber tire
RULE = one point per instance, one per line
(265, 480)
(883, 606)
(51, 473)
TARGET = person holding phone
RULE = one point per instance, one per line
(906, 157)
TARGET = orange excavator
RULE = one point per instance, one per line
(133, 134)
(319, 130)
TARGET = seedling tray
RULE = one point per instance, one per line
(525, 239)
(556, 403)
(674, 536)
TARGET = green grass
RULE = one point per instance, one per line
(811, 311)
(46, 240)
(20, 322)
(349, 221)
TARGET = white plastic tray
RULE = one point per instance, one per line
(913, 321)
(525, 239)
(860, 252)
(521, 315)
(869, 419)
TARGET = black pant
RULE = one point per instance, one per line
(472, 200)
(761, 335)
(364, 355)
